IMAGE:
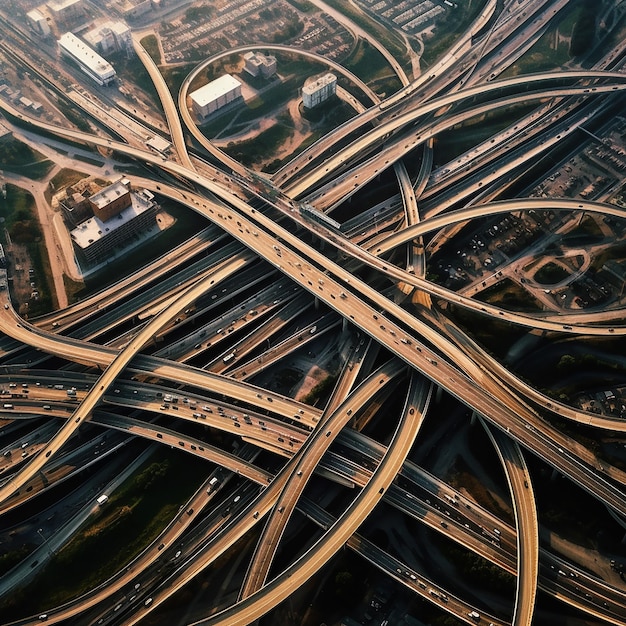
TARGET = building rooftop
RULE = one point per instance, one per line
(213, 90)
(93, 229)
(108, 194)
(312, 85)
(86, 55)
(59, 5)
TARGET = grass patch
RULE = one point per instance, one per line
(551, 50)
(304, 6)
(253, 151)
(23, 228)
(133, 71)
(510, 296)
(370, 65)
(448, 30)
(151, 46)
(65, 178)
(321, 391)
(133, 517)
(74, 116)
(550, 274)
(451, 143)
(387, 37)
(19, 158)
(174, 77)
(586, 231)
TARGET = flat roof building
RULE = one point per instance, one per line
(135, 8)
(65, 10)
(215, 95)
(38, 22)
(315, 91)
(256, 63)
(111, 200)
(112, 36)
(87, 59)
(95, 239)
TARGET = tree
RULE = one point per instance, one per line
(567, 362)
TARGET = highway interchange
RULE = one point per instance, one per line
(263, 221)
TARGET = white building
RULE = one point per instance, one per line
(317, 90)
(110, 37)
(136, 8)
(87, 59)
(215, 95)
(65, 10)
(257, 63)
(38, 22)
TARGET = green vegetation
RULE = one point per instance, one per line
(463, 476)
(585, 28)
(89, 160)
(132, 70)
(480, 571)
(199, 13)
(20, 158)
(66, 177)
(495, 336)
(449, 30)
(291, 26)
(509, 295)
(23, 228)
(74, 116)
(174, 77)
(458, 139)
(321, 391)
(586, 231)
(550, 274)
(132, 518)
(151, 45)
(387, 38)
(304, 6)
(552, 50)
(369, 65)
(251, 151)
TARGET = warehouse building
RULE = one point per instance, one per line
(120, 215)
(316, 91)
(87, 59)
(215, 95)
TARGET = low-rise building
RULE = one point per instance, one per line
(87, 59)
(38, 22)
(257, 63)
(64, 11)
(215, 95)
(112, 36)
(136, 8)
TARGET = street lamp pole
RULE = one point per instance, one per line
(40, 533)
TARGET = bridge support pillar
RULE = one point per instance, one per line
(554, 475)
(438, 394)
(344, 325)
(317, 304)
(473, 418)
